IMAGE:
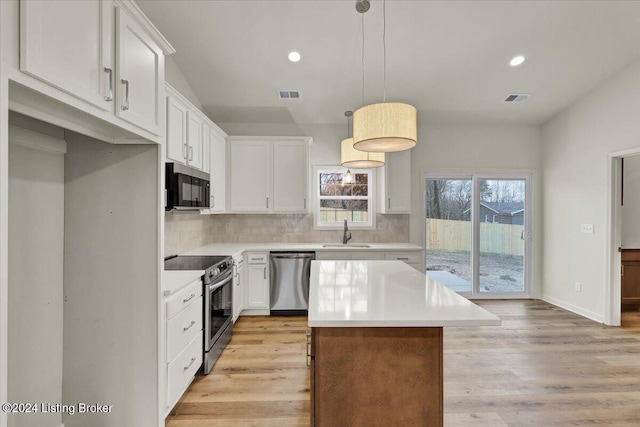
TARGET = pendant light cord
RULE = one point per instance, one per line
(384, 49)
(363, 59)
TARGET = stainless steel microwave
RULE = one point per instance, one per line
(186, 187)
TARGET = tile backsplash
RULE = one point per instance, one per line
(186, 231)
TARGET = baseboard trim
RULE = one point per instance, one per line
(574, 309)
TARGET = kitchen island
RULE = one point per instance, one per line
(376, 348)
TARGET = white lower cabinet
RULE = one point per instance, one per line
(257, 283)
(183, 368)
(238, 287)
(412, 258)
(349, 255)
(183, 339)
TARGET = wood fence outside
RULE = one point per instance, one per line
(450, 235)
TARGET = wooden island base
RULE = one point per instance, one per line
(370, 376)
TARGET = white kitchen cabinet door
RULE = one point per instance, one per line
(257, 291)
(139, 75)
(238, 290)
(218, 171)
(194, 140)
(290, 176)
(394, 183)
(250, 176)
(69, 45)
(176, 130)
(206, 148)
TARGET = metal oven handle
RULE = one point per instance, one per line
(215, 286)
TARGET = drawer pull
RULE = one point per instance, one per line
(403, 259)
(189, 299)
(193, 322)
(193, 359)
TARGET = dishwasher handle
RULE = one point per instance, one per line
(293, 256)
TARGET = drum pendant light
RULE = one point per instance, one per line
(386, 126)
(352, 158)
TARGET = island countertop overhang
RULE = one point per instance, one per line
(386, 294)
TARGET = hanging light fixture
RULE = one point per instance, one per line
(386, 126)
(350, 157)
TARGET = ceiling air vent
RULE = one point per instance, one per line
(289, 94)
(517, 97)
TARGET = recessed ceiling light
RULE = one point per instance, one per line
(294, 56)
(516, 60)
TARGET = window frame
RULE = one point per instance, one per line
(371, 198)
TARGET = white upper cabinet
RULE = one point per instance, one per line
(140, 75)
(104, 53)
(394, 183)
(290, 176)
(69, 45)
(176, 130)
(194, 140)
(251, 176)
(269, 175)
(217, 170)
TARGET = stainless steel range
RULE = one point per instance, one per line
(218, 310)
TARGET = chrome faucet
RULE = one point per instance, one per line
(345, 239)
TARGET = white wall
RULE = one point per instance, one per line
(175, 78)
(36, 247)
(630, 211)
(111, 268)
(575, 179)
(450, 147)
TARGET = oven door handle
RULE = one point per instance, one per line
(215, 286)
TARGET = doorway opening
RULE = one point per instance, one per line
(623, 270)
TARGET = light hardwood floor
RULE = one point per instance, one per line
(543, 367)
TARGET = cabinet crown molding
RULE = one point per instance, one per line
(134, 10)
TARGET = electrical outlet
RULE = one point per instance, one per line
(577, 287)
(586, 228)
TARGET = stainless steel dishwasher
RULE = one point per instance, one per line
(290, 282)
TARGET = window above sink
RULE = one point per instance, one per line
(339, 198)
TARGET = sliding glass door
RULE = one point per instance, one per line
(449, 235)
(476, 233)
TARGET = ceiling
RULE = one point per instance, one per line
(450, 59)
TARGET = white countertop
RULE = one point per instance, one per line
(234, 249)
(174, 280)
(386, 294)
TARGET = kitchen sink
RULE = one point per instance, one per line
(348, 245)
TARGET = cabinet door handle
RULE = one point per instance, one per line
(267, 203)
(185, 150)
(125, 107)
(189, 299)
(193, 322)
(193, 359)
(304, 204)
(109, 97)
(389, 203)
(402, 259)
(265, 272)
(213, 200)
(190, 154)
(622, 270)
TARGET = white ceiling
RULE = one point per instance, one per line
(447, 58)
